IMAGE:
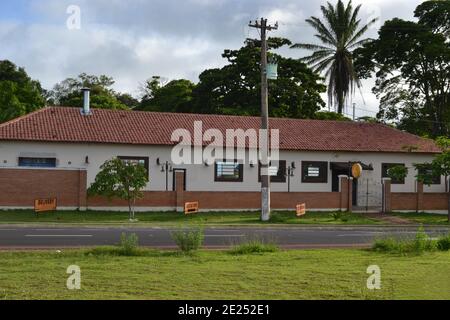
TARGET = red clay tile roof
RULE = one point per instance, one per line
(62, 124)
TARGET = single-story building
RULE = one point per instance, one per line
(57, 152)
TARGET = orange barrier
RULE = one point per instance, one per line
(301, 209)
(42, 205)
(190, 207)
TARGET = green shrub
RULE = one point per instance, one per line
(389, 245)
(276, 218)
(116, 252)
(128, 245)
(421, 243)
(443, 243)
(188, 240)
(336, 215)
(254, 246)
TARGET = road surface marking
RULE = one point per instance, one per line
(225, 235)
(59, 235)
(355, 235)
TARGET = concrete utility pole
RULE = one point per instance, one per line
(265, 177)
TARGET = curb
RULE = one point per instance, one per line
(221, 226)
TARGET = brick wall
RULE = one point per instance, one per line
(20, 187)
(419, 201)
(435, 201)
(150, 199)
(225, 200)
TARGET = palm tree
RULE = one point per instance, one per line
(340, 34)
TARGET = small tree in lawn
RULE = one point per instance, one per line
(440, 166)
(122, 180)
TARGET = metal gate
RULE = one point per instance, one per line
(369, 195)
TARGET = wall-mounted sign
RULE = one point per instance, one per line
(42, 205)
(356, 170)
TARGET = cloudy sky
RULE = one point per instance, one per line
(135, 39)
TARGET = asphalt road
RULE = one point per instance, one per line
(14, 237)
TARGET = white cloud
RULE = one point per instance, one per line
(134, 40)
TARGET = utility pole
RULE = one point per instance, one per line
(265, 178)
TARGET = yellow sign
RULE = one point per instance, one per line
(356, 170)
(190, 207)
(42, 205)
(301, 209)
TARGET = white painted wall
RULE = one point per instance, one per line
(201, 177)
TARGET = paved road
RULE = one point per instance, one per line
(288, 237)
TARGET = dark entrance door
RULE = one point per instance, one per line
(335, 178)
(337, 171)
(174, 172)
(355, 192)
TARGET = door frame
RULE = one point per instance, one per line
(174, 171)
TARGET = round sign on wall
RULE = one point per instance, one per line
(356, 170)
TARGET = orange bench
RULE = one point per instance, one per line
(301, 209)
(190, 207)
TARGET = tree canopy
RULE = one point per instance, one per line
(175, 96)
(411, 61)
(121, 179)
(19, 94)
(68, 92)
(236, 89)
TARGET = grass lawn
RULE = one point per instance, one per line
(424, 218)
(172, 218)
(296, 274)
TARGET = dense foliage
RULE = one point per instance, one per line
(119, 179)
(411, 62)
(19, 94)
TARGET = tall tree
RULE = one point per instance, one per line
(68, 92)
(175, 96)
(436, 15)
(235, 88)
(412, 65)
(19, 94)
(340, 34)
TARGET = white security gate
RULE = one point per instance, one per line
(370, 194)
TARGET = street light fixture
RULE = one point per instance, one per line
(289, 174)
(167, 167)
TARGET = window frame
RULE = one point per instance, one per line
(53, 165)
(280, 177)
(436, 180)
(218, 178)
(323, 172)
(384, 169)
(138, 158)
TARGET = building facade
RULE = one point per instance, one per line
(314, 158)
